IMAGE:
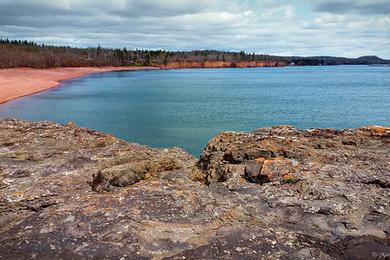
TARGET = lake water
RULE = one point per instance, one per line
(186, 108)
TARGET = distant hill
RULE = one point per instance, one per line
(372, 60)
(328, 60)
(17, 53)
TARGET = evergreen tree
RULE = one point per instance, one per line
(98, 50)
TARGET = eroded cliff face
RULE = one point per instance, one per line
(72, 193)
(221, 64)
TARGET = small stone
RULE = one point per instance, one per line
(69, 219)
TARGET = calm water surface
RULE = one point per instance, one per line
(186, 108)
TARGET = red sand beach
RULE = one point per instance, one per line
(18, 82)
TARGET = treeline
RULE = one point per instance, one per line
(17, 53)
(330, 61)
(30, 54)
(327, 60)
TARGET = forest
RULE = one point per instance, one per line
(23, 53)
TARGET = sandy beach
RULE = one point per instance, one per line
(19, 82)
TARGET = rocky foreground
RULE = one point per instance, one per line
(73, 193)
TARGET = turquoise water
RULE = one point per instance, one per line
(186, 108)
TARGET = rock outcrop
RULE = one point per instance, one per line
(275, 193)
(221, 64)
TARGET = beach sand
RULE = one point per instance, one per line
(19, 82)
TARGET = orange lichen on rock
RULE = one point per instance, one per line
(274, 167)
(374, 130)
(260, 160)
(277, 168)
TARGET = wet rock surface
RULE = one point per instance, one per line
(275, 193)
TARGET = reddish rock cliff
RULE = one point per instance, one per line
(221, 64)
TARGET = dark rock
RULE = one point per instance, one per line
(131, 173)
(252, 170)
(120, 176)
(233, 157)
(253, 154)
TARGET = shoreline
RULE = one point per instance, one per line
(20, 82)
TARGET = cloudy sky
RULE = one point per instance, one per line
(296, 27)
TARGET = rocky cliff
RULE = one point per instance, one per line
(276, 193)
(221, 64)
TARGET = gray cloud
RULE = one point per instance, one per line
(264, 26)
(350, 6)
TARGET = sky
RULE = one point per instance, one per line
(349, 28)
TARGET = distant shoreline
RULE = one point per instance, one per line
(19, 82)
